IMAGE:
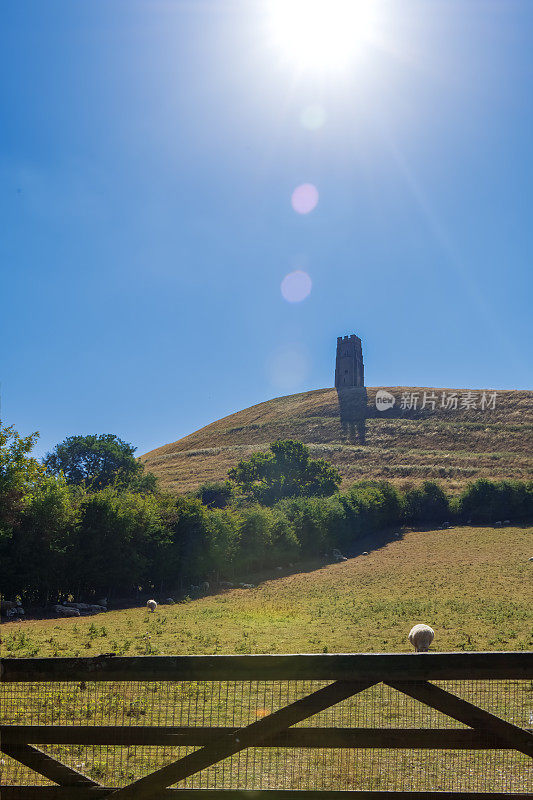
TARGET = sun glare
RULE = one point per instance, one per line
(321, 34)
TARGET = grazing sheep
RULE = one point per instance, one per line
(151, 605)
(531, 559)
(364, 553)
(498, 524)
(87, 608)
(79, 606)
(65, 611)
(247, 585)
(421, 637)
(8, 608)
(204, 586)
(170, 601)
(337, 555)
(227, 585)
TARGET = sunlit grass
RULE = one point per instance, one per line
(472, 585)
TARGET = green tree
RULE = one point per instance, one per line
(118, 542)
(41, 541)
(98, 462)
(189, 526)
(19, 472)
(285, 470)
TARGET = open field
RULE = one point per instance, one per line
(452, 446)
(472, 584)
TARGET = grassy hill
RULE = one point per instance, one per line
(453, 446)
(472, 584)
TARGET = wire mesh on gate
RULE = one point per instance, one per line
(236, 704)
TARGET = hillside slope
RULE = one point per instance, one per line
(472, 584)
(453, 446)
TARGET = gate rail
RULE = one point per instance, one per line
(408, 673)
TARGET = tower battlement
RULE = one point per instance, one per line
(349, 367)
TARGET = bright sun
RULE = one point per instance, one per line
(321, 34)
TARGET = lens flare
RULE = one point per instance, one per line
(288, 367)
(296, 286)
(304, 198)
(313, 117)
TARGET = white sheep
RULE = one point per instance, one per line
(337, 555)
(151, 605)
(421, 637)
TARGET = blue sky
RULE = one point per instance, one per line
(149, 152)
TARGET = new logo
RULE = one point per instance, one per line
(384, 400)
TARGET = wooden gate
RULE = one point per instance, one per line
(344, 677)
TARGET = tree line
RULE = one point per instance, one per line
(88, 525)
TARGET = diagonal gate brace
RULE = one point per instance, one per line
(229, 744)
(461, 710)
(47, 766)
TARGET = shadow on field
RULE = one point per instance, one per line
(374, 541)
(360, 548)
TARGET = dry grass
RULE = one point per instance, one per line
(451, 446)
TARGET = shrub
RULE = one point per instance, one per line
(255, 539)
(216, 495)
(426, 503)
(484, 501)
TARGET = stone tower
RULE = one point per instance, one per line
(349, 367)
